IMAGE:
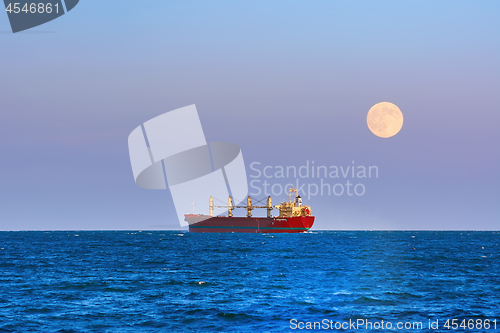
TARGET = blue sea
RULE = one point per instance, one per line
(171, 281)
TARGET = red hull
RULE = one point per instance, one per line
(204, 223)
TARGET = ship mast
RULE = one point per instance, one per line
(249, 206)
(293, 189)
(269, 207)
(211, 206)
(230, 206)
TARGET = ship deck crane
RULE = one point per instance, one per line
(286, 208)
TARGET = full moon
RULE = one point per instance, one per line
(385, 119)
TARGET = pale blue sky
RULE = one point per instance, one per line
(288, 81)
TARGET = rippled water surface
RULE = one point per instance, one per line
(172, 281)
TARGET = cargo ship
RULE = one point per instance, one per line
(293, 217)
